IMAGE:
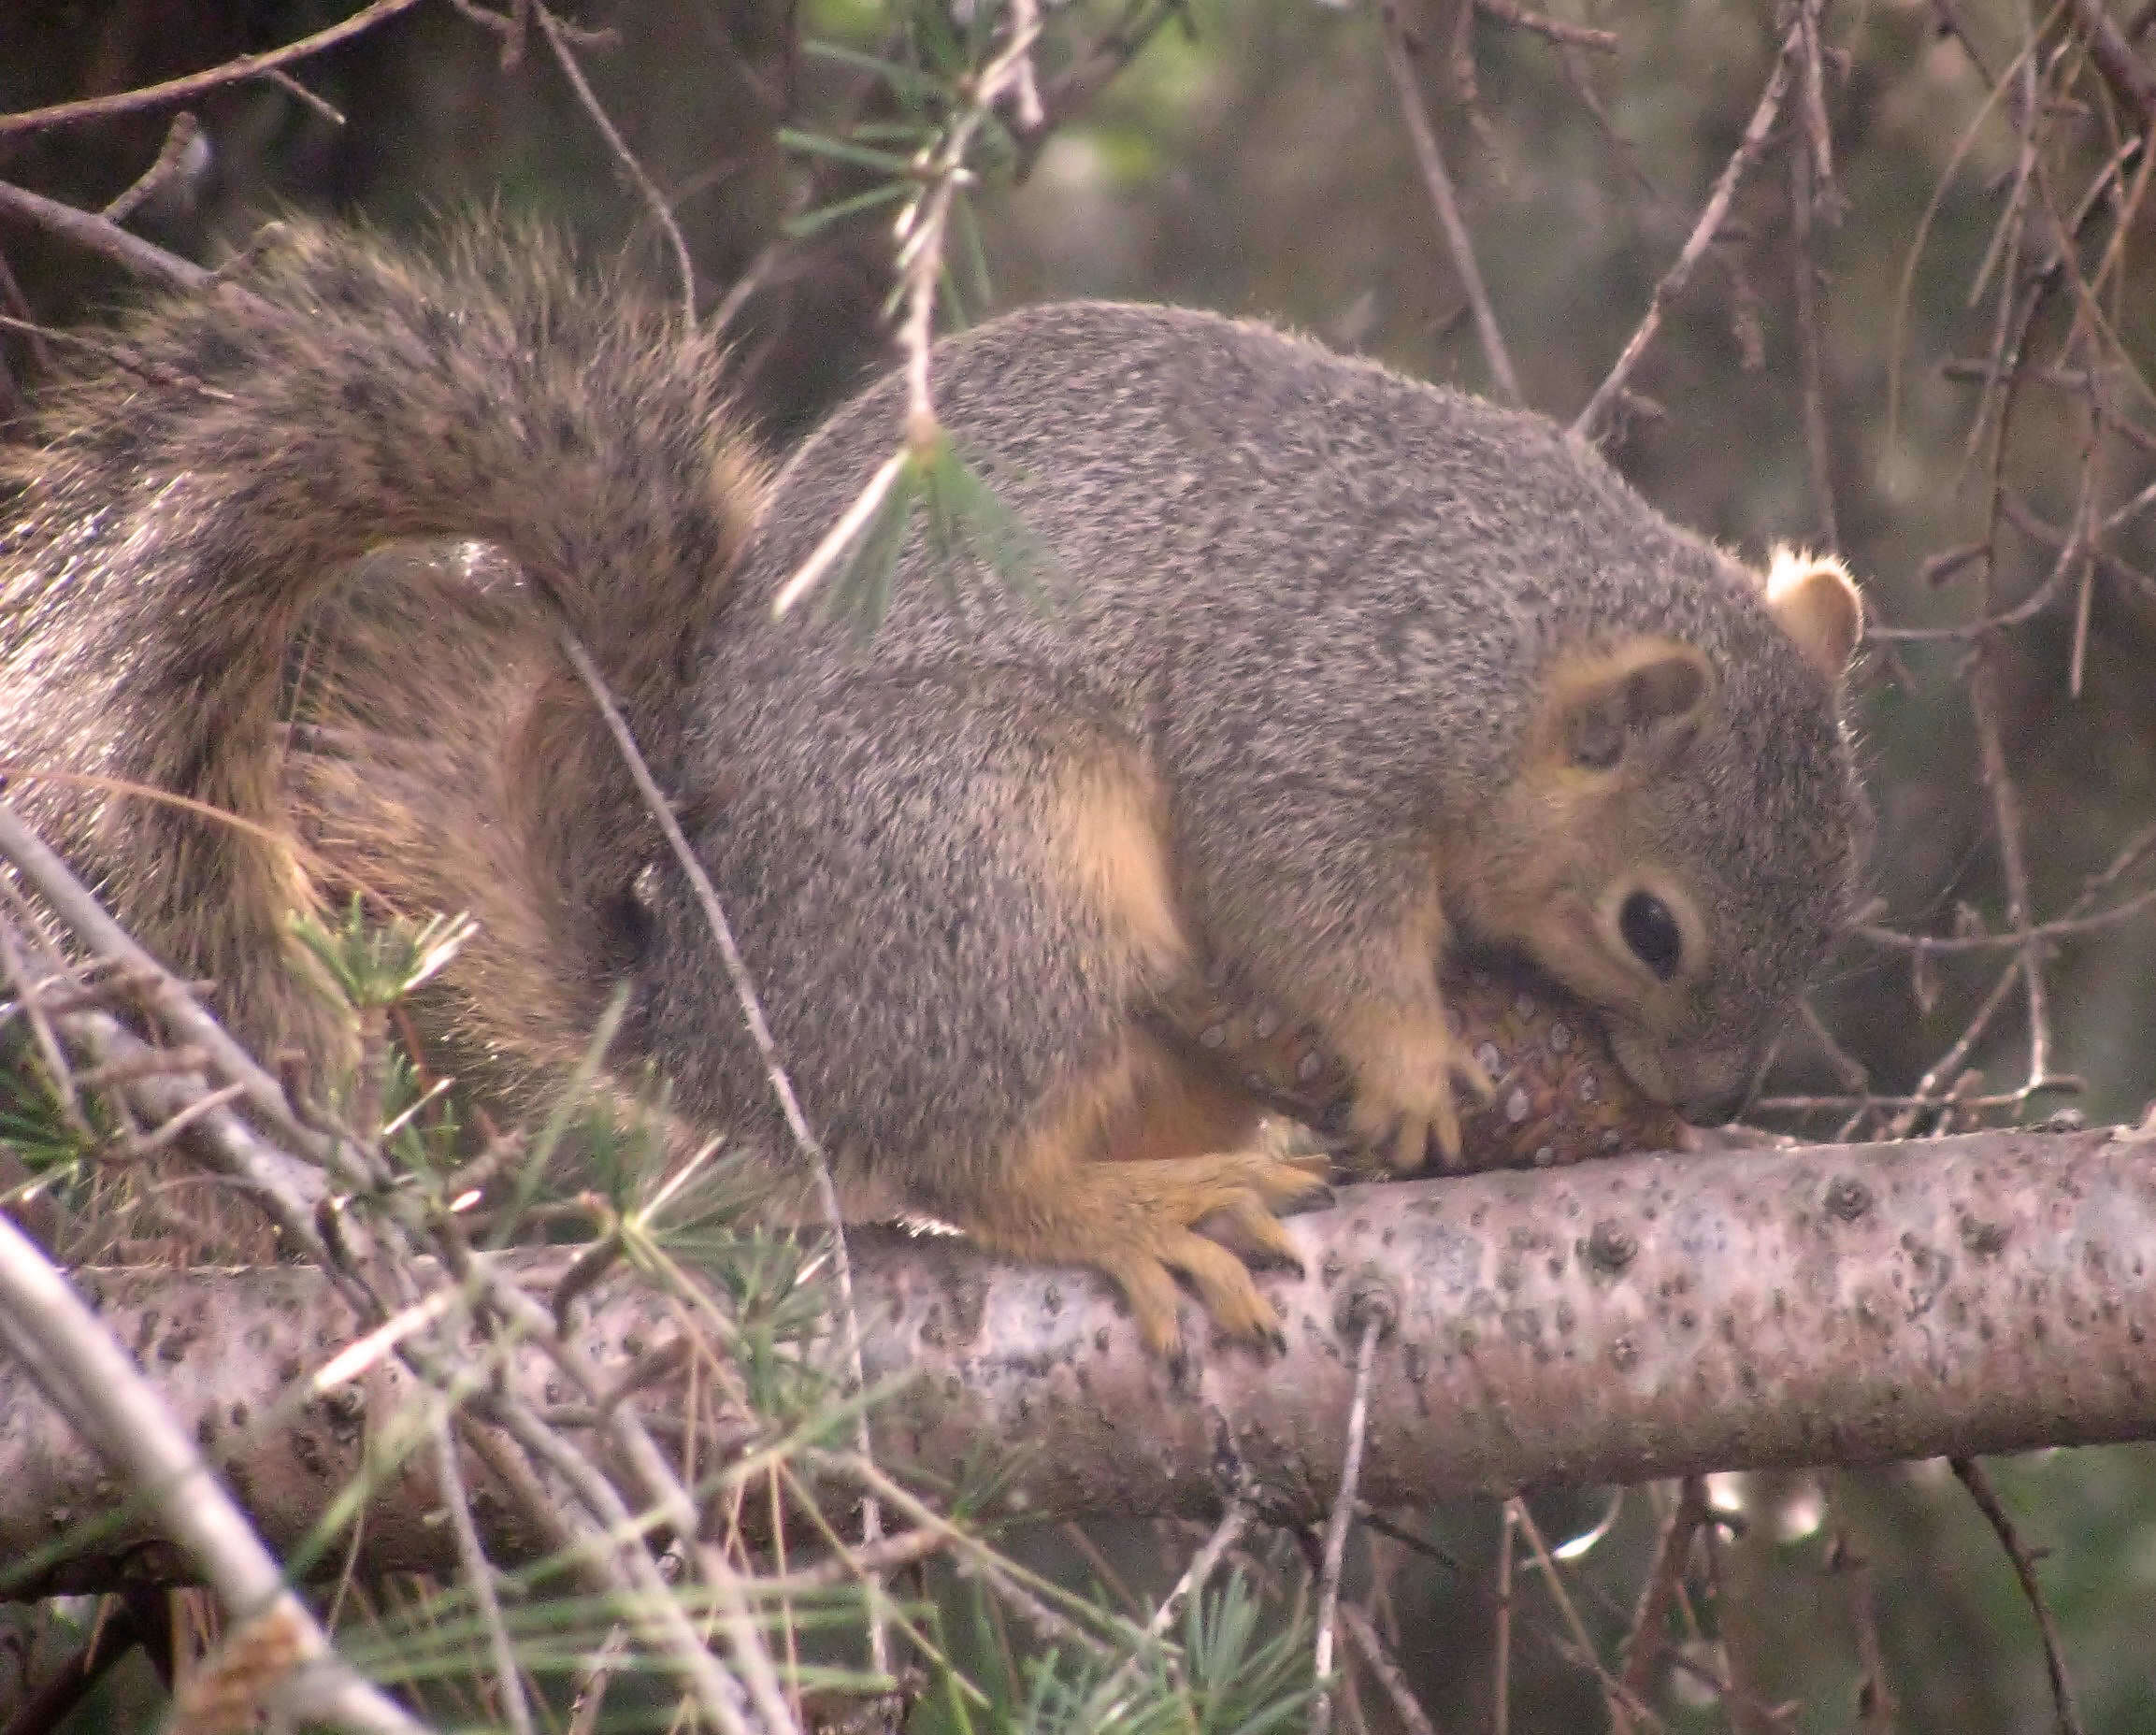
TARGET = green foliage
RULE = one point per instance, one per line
(963, 522)
(34, 1122)
(438, 1644)
(946, 141)
(1240, 1669)
(373, 965)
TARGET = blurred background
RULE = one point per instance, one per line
(1921, 336)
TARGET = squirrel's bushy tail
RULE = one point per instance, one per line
(184, 504)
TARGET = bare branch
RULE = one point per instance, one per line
(176, 1009)
(1647, 1642)
(479, 1577)
(1973, 1478)
(2122, 69)
(97, 234)
(1986, 705)
(1875, 1692)
(1555, 29)
(1811, 198)
(1400, 64)
(193, 83)
(625, 158)
(183, 132)
(1375, 1312)
(1589, 423)
(1090, 72)
(1953, 1296)
(1362, 1633)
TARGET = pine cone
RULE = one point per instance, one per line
(1560, 1095)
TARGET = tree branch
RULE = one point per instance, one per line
(1616, 1321)
(194, 83)
(60, 1352)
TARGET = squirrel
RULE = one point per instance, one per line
(1346, 667)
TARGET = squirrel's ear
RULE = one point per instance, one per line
(1643, 688)
(1818, 606)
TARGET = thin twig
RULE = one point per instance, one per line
(1202, 1563)
(1967, 1101)
(1986, 705)
(2028, 609)
(179, 90)
(1972, 1476)
(1400, 64)
(1743, 1703)
(35, 338)
(2042, 933)
(1201, 1567)
(28, 995)
(1623, 1706)
(176, 1124)
(1816, 143)
(767, 1046)
(1876, 1707)
(654, 1483)
(1589, 423)
(999, 1574)
(612, 1533)
(1500, 1692)
(2129, 856)
(922, 228)
(1090, 72)
(2133, 83)
(1647, 1640)
(300, 93)
(567, 1531)
(1377, 1314)
(1025, 86)
(175, 1008)
(1555, 29)
(479, 1578)
(597, 1676)
(185, 129)
(286, 1189)
(1363, 1635)
(1804, 197)
(625, 158)
(839, 536)
(93, 234)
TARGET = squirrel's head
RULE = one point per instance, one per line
(1682, 844)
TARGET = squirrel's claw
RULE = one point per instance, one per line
(1204, 1219)
(1417, 1119)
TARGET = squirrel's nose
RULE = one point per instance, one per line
(1714, 1108)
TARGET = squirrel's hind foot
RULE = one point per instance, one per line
(1207, 1219)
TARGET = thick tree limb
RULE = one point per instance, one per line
(1650, 1316)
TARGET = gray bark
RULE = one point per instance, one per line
(1612, 1322)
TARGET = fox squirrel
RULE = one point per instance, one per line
(1347, 664)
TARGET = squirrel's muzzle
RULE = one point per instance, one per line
(1707, 1086)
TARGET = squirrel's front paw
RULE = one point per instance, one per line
(1405, 1108)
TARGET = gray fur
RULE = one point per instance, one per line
(1317, 594)
(1312, 599)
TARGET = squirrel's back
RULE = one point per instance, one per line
(1223, 492)
(1317, 587)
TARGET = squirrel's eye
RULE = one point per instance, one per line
(1651, 932)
